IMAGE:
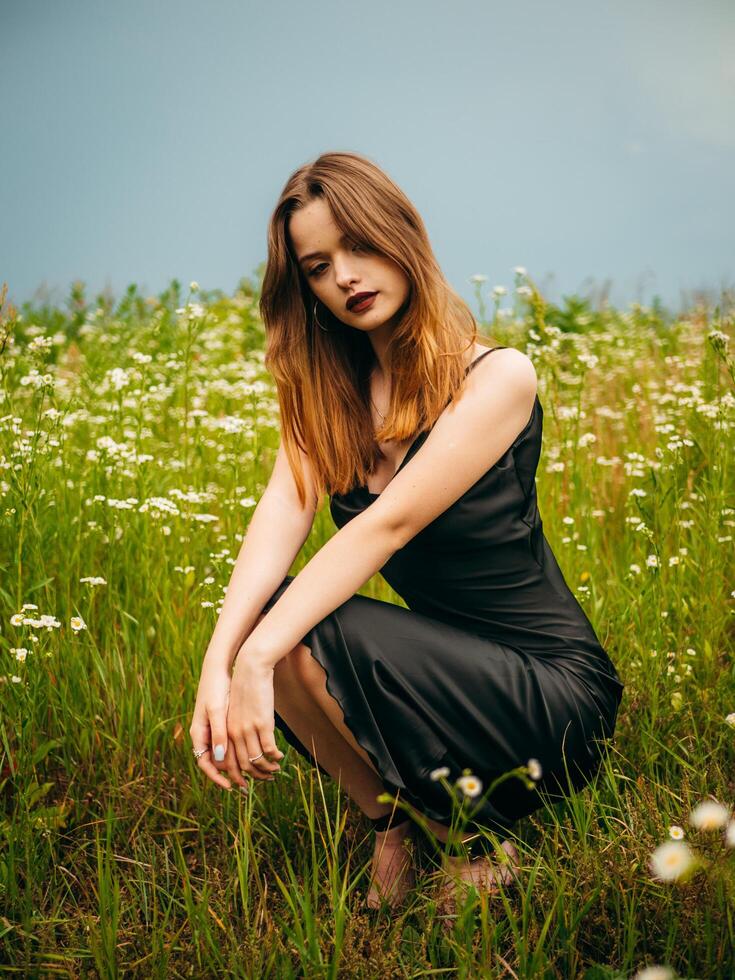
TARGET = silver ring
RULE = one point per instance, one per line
(198, 753)
(257, 757)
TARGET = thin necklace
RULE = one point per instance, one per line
(382, 417)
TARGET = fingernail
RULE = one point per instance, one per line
(219, 753)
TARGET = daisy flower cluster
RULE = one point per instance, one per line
(677, 860)
(29, 618)
(471, 786)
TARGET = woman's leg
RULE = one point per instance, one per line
(302, 700)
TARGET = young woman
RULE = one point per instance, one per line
(427, 444)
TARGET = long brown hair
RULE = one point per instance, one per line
(322, 379)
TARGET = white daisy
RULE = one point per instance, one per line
(470, 785)
(534, 769)
(441, 773)
(671, 859)
(709, 815)
(655, 972)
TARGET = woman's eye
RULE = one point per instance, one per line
(318, 269)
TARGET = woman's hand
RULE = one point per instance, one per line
(209, 725)
(250, 715)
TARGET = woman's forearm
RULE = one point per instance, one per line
(274, 537)
(340, 567)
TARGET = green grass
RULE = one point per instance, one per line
(134, 443)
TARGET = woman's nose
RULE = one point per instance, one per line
(345, 273)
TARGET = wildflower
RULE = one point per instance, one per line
(652, 561)
(673, 560)
(534, 769)
(470, 785)
(77, 623)
(15, 679)
(709, 815)
(730, 834)
(730, 719)
(718, 338)
(676, 700)
(478, 277)
(637, 492)
(676, 832)
(655, 972)
(520, 270)
(93, 580)
(524, 291)
(194, 286)
(671, 860)
(20, 653)
(499, 290)
(17, 619)
(441, 773)
(636, 569)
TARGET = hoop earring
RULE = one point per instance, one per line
(316, 319)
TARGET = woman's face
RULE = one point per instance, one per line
(337, 269)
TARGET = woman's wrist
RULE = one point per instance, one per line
(217, 658)
(258, 655)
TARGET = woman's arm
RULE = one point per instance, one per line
(275, 535)
(341, 566)
(277, 530)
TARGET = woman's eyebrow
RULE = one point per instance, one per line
(313, 255)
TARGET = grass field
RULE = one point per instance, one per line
(136, 436)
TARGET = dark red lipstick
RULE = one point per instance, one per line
(360, 302)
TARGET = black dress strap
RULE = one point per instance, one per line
(477, 359)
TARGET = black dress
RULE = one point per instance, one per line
(493, 663)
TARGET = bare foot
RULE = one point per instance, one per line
(485, 873)
(392, 874)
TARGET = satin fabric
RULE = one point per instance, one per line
(493, 663)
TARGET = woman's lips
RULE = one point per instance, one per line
(364, 304)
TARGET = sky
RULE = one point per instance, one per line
(592, 143)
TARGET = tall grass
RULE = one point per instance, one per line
(135, 439)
